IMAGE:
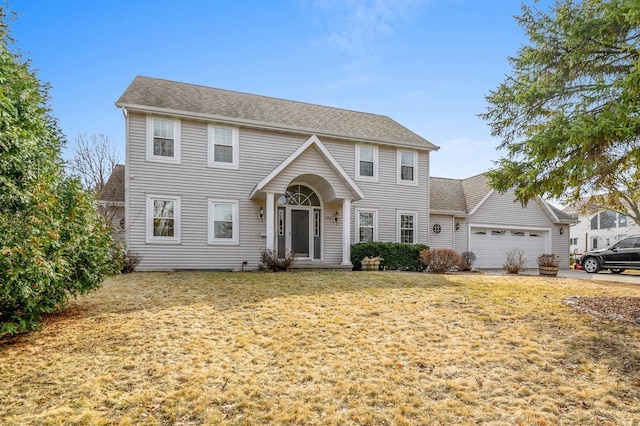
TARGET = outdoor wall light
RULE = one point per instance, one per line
(336, 216)
(561, 231)
(457, 225)
(261, 213)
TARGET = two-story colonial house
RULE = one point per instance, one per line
(213, 177)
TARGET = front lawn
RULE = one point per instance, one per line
(326, 348)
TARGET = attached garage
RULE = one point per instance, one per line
(490, 244)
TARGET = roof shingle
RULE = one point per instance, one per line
(157, 94)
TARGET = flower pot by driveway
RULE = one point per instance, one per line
(548, 271)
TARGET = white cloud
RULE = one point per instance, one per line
(355, 26)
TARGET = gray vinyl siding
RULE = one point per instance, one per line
(461, 236)
(501, 209)
(260, 153)
(386, 195)
(446, 236)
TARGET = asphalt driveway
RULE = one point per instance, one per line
(632, 277)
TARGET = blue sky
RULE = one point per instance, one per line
(426, 64)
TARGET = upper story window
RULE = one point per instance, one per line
(163, 140)
(594, 222)
(223, 146)
(622, 220)
(407, 227)
(407, 167)
(163, 219)
(367, 163)
(223, 221)
(607, 219)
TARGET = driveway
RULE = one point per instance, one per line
(632, 277)
(625, 277)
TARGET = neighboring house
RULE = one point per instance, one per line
(467, 215)
(111, 203)
(213, 177)
(597, 228)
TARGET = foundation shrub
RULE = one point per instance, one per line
(272, 262)
(440, 261)
(396, 256)
(467, 259)
(515, 259)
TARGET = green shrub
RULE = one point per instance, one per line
(396, 256)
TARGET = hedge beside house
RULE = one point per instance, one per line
(395, 256)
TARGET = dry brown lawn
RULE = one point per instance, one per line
(370, 348)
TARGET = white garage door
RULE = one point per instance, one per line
(491, 244)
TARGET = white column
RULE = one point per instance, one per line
(346, 232)
(271, 223)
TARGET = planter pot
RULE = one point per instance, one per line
(371, 265)
(548, 271)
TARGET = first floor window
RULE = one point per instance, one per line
(223, 147)
(223, 221)
(163, 219)
(366, 226)
(163, 140)
(407, 227)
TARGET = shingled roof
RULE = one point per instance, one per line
(457, 195)
(163, 96)
(462, 196)
(113, 190)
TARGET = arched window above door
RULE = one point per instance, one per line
(299, 195)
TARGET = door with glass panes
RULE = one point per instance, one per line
(299, 223)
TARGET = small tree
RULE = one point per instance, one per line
(93, 160)
(515, 259)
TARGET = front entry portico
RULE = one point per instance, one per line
(297, 196)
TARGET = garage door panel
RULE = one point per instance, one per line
(491, 245)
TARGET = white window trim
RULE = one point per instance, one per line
(375, 223)
(152, 239)
(401, 181)
(177, 144)
(234, 240)
(235, 137)
(415, 224)
(373, 178)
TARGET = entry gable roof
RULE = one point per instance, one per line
(152, 95)
(313, 141)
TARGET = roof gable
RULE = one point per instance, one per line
(156, 95)
(312, 143)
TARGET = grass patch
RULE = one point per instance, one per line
(326, 348)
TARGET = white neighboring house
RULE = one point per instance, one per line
(597, 228)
